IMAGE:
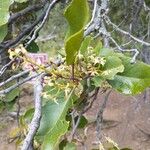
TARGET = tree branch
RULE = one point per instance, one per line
(97, 17)
(35, 123)
(3, 92)
(14, 77)
(4, 68)
(25, 11)
(146, 7)
(28, 30)
(85, 109)
(108, 21)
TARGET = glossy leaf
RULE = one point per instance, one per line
(53, 123)
(134, 79)
(77, 15)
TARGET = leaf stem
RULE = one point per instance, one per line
(72, 72)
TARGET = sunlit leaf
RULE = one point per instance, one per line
(53, 123)
(98, 47)
(112, 66)
(77, 15)
(135, 78)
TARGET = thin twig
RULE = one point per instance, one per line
(99, 119)
(108, 21)
(18, 107)
(136, 52)
(84, 111)
(92, 101)
(4, 68)
(146, 7)
(76, 126)
(45, 38)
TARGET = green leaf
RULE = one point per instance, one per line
(3, 32)
(85, 44)
(112, 66)
(29, 114)
(62, 144)
(12, 95)
(105, 52)
(72, 46)
(53, 123)
(83, 122)
(4, 11)
(98, 80)
(98, 47)
(70, 146)
(33, 47)
(135, 78)
(77, 15)
(113, 63)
